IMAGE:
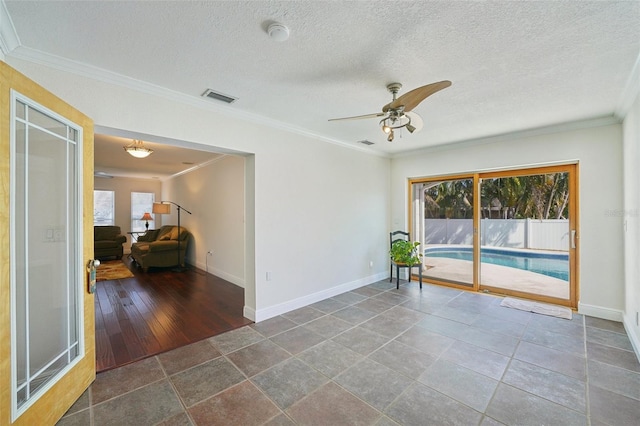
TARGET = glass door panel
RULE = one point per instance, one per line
(45, 234)
(525, 234)
(443, 223)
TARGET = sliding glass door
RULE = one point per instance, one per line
(444, 226)
(527, 233)
(510, 232)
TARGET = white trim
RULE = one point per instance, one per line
(16, 411)
(100, 74)
(221, 274)
(628, 321)
(600, 312)
(9, 39)
(249, 313)
(272, 311)
(630, 92)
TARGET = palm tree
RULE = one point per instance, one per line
(541, 196)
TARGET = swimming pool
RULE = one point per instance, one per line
(551, 264)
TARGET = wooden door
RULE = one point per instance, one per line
(47, 329)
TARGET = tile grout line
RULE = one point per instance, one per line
(175, 390)
(587, 392)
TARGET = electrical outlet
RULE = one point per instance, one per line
(268, 276)
(370, 264)
(637, 318)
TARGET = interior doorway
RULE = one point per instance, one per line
(161, 310)
(510, 232)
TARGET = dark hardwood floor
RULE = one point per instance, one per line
(161, 310)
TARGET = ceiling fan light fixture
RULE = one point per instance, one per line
(397, 112)
(386, 127)
(137, 149)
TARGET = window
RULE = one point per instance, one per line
(103, 207)
(141, 203)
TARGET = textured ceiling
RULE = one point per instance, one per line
(514, 65)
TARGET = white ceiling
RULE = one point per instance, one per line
(515, 65)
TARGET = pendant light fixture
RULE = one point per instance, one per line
(137, 149)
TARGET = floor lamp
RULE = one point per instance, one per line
(162, 208)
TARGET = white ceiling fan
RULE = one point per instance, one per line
(395, 113)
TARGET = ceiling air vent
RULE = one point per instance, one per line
(366, 142)
(218, 96)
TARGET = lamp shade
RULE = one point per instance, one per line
(146, 216)
(161, 208)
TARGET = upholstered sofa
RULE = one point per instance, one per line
(107, 241)
(159, 247)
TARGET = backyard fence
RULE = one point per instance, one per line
(548, 234)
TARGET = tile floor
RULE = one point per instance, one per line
(381, 356)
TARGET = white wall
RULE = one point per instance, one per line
(123, 188)
(214, 194)
(320, 210)
(631, 218)
(599, 152)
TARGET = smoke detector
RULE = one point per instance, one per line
(278, 32)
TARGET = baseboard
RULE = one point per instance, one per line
(279, 309)
(222, 274)
(249, 313)
(635, 342)
(600, 312)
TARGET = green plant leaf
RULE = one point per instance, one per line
(405, 252)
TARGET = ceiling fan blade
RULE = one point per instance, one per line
(411, 99)
(359, 117)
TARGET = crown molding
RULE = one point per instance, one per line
(630, 93)
(9, 39)
(102, 75)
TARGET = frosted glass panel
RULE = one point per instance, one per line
(48, 269)
(46, 281)
(20, 110)
(46, 122)
(20, 247)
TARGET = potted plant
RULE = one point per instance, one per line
(405, 253)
